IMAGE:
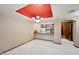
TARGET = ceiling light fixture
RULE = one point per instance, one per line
(37, 19)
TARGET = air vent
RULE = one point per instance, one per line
(72, 11)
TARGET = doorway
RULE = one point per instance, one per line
(67, 29)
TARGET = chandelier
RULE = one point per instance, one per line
(37, 19)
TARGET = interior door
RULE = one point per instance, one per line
(67, 30)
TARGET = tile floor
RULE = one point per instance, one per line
(41, 47)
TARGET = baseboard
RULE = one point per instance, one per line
(57, 43)
(75, 46)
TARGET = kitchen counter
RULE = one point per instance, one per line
(45, 36)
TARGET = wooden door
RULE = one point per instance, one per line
(67, 30)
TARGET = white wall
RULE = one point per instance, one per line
(75, 16)
(57, 28)
(76, 32)
(57, 31)
(15, 29)
(37, 27)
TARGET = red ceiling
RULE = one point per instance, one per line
(32, 10)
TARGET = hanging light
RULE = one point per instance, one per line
(37, 19)
(33, 18)
(42, 18)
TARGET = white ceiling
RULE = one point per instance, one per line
(59, 10)
(62, 10)
(10, 7)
